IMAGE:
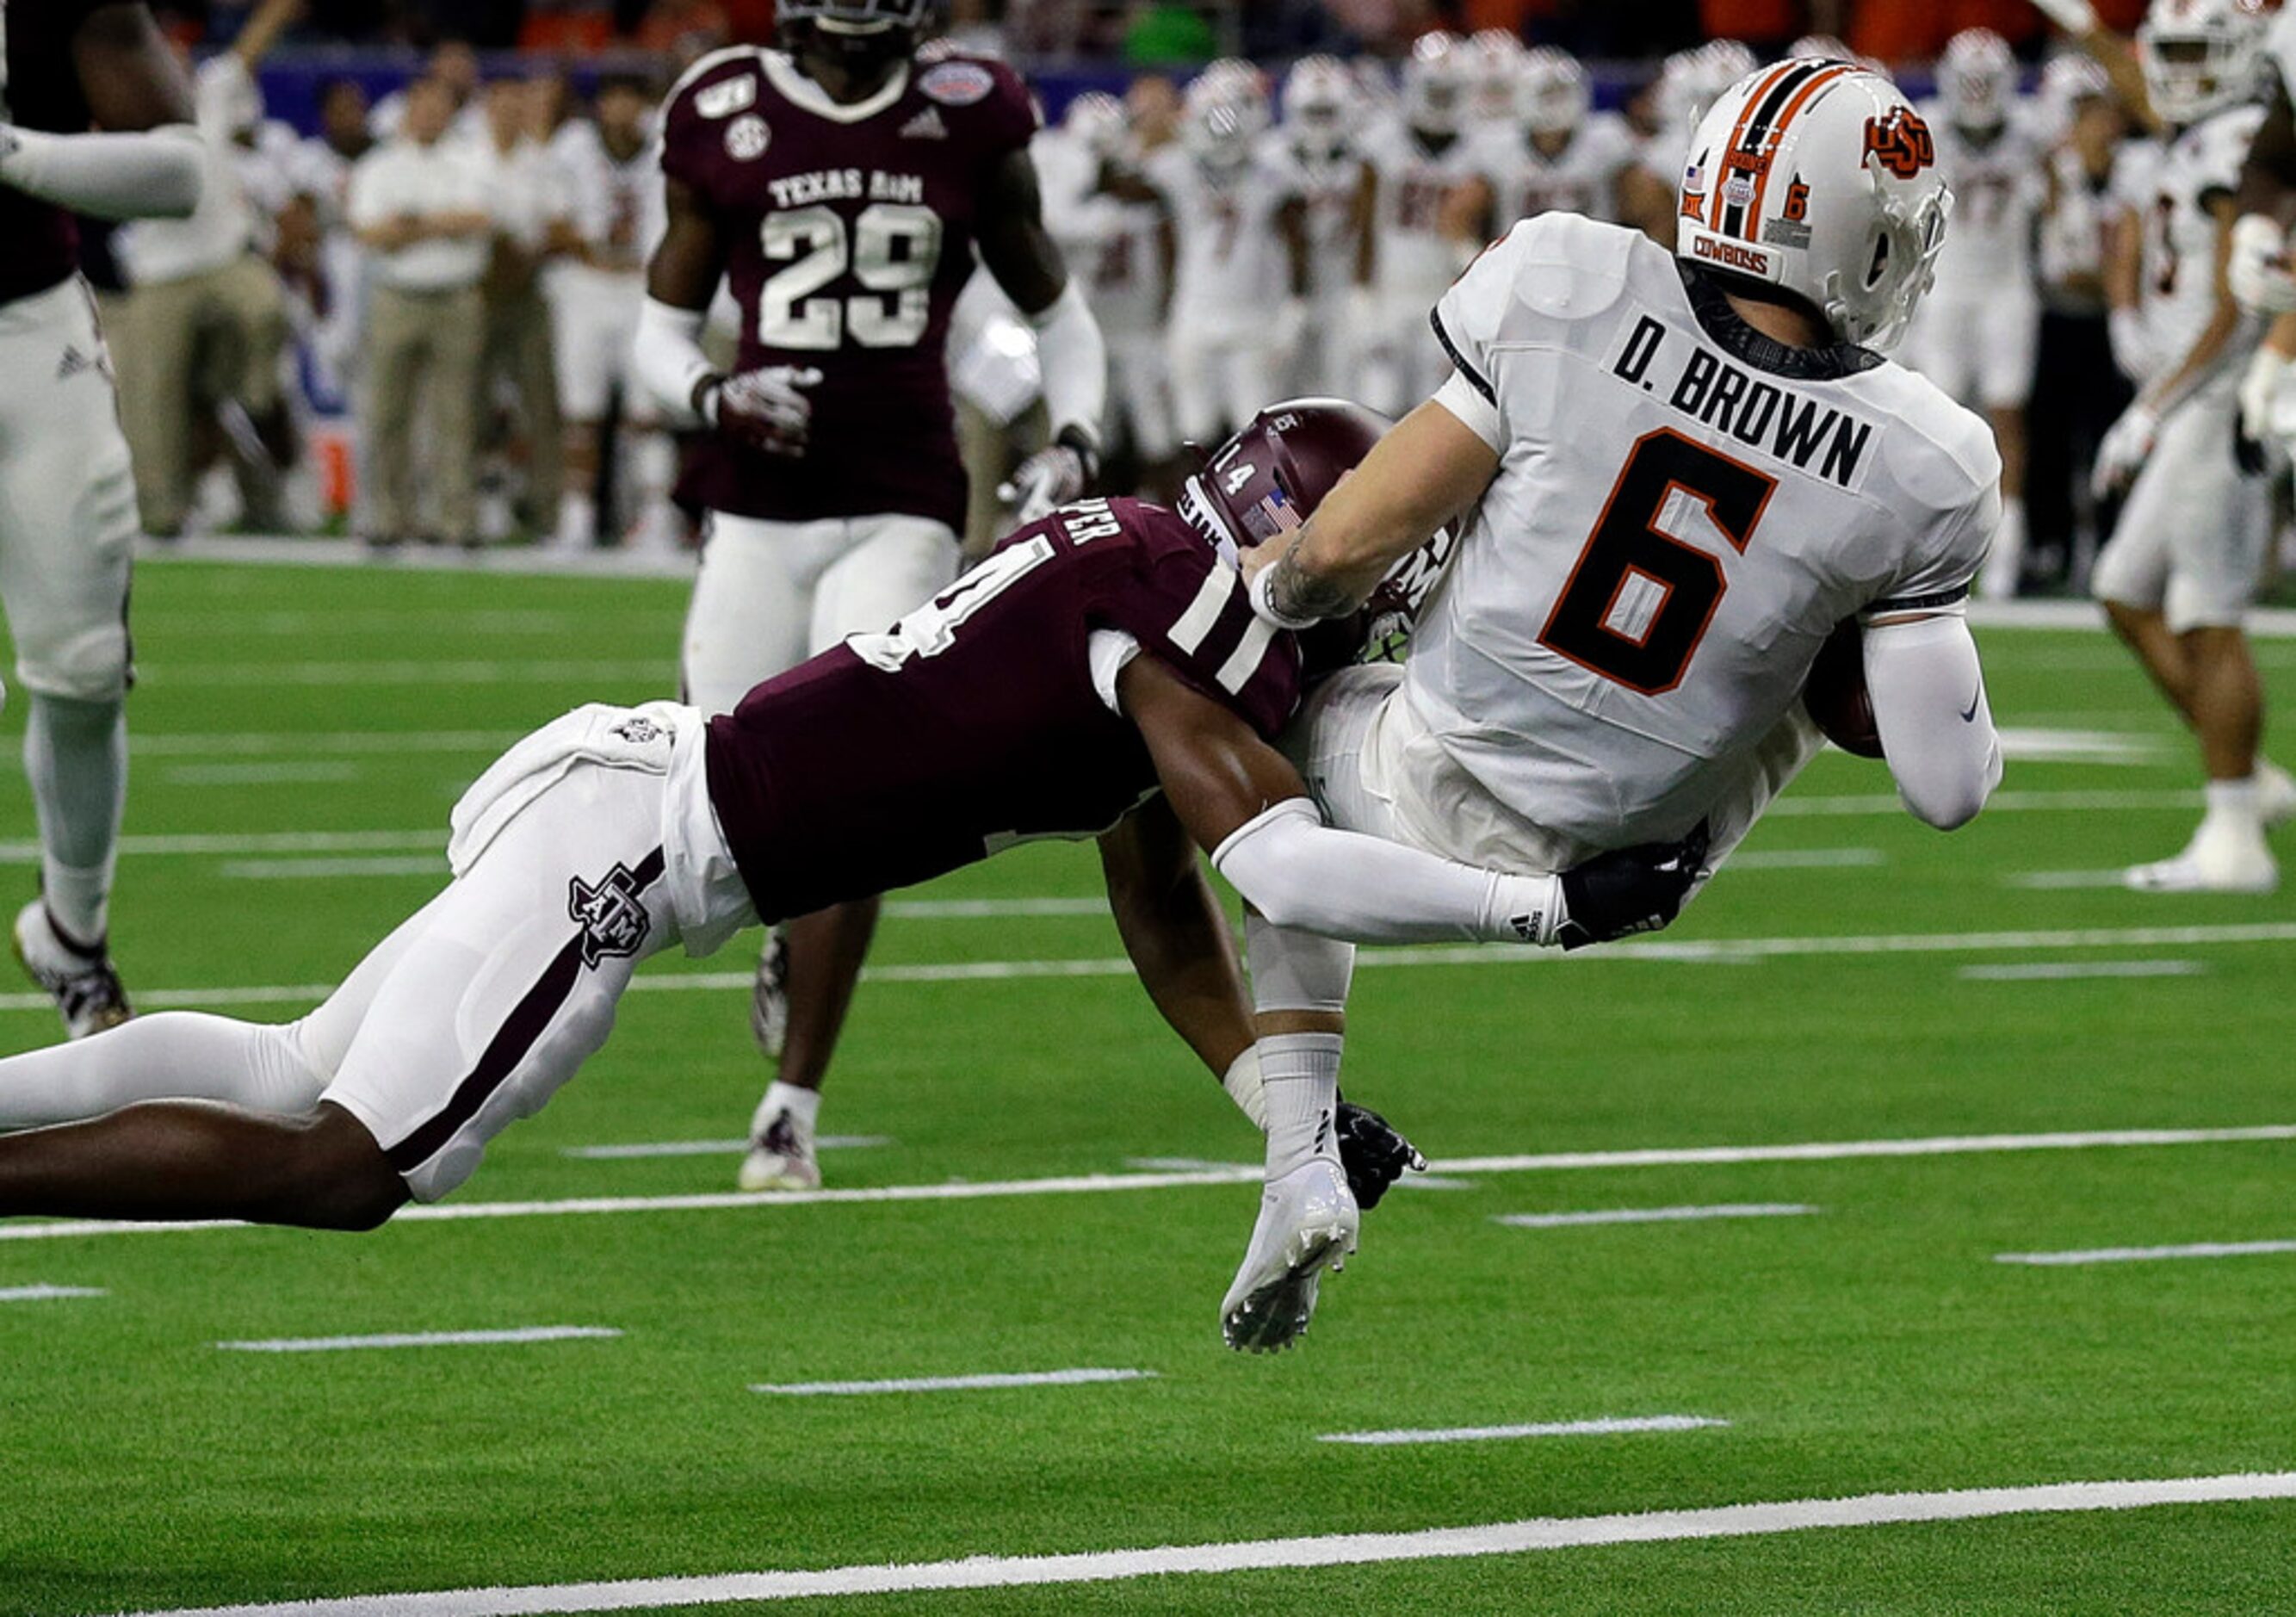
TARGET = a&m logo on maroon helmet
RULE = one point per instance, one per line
(1902, 142)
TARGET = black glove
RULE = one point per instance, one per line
(1634, 889)
(1373, 1152)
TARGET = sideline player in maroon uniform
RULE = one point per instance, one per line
(1103, 655)
(67, 498)
(842, 182)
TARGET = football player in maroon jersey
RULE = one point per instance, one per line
(67, 499)
(1103, 667)
(842, 184)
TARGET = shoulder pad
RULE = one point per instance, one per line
(1942, 454)
(1569, 267)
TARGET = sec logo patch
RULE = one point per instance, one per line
(747, 138)
(958, 84)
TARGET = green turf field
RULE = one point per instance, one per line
(299, 737)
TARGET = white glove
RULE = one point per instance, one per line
(765, 409)
(1048, 480)
(2259, 271)
(2260, 387)
(2076, 17)
(2125, 449)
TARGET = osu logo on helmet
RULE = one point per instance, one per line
(1902, 141)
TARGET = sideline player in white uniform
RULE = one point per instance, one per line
(2186, 560)
(1417, 158)
(1978, 329)
(1688, 83)
(1323, 102)
(1125, 249)
(613, 171)
(1554, 153)
(1680, 475)
(67, 493)
(1240, 284)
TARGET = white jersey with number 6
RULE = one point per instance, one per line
(1684, 511)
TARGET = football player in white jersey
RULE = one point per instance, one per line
(1239, 298)
(1679, 475)
(1125, 249)
(1322, 105)
(1553, 154)
(613, 171)
(1417, 159)
(2186, 560)
(1977, 332)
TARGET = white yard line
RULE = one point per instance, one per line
(263, 743)
(228, 842)
(414, 671)
(47, 1294)
(1712, 951)
(2001, 802)
(323, 869)
(990, 909)
(950, 1383)
(1337, 1549)
(285, 772)
(2051, 881)
(520, 560)
(711, 1148)
(1606, 1426)
(2039, 743)
(1657, 1214)
(424, 1338)
(2075, 971)
(2147, 1254)
(1809, 858)
(1105, 1183)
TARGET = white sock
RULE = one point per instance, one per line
(2233, 802)
(75, 755)
(1299, 1079)
(577, 522)
(174, 1056)
(802, 1104)
(1243, 1083)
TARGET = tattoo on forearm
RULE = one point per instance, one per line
(1300, 596)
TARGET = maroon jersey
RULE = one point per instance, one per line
(39, 89)
(975, 723)
(849, 234)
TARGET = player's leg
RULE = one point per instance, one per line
(68, 523)
(897, 563)
(545, 432)
(252, 317)
(396, 349)
(451, 409)
(2009, 332)
(2206, 526)
(156, 403)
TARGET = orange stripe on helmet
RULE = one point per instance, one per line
(1761, 94)
(1802, 98)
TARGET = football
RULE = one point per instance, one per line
(1835, 695)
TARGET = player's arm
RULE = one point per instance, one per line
(2260, 272)
(145, 162)
(1646, 203)
(1467, 211)
(1364, 225)
(1929, 709)
(2129, 445)
(1020, 253)
(1239, 798)
(1176, 934)
(1429, 467)
(2109, 50)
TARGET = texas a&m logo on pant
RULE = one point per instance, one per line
(612, 914)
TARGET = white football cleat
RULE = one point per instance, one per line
(2221, 858)
(2275, 795)
(85, 986)
(769, 996)
(781, 1156)
(1308, 1223)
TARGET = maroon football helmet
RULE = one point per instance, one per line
(860, 38)
(1264, 483)
(1267, 480)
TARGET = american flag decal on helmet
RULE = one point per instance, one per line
(1277, 515)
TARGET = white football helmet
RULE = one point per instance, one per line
(2200, 56)
(1827, 47)
(1224, 112)
(1497, 58)
(1437, 83)
(1691, 80)
(1821, 180)
(2068, 80)
(1099, 123)
(1319, 104)
(1554, 96)
(1977, 76)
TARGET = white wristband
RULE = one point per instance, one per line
(1264, 607)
